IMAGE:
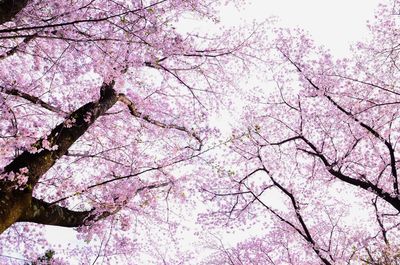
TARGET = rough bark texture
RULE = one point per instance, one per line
(18, 205)
(9, 8)
(42, 212)
(12, 206)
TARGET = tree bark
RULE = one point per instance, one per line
(42, 212)
(18, 205)
(9, 8)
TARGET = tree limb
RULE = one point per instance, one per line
(366, 185)
(42, 212)
(61, 137)
(367, 127)
(15, 203)
(35, 100)
(132, 108)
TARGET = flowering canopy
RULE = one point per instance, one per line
(105, 127)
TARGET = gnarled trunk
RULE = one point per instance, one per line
(19, 205)
(12, 206)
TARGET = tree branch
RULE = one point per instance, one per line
(35, 100)
(132, 108)
(41, 212)
(366, 185)
(18, 203)
(367, 127)
(61, 138)
(14, 49)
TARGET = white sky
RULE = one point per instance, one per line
(333, 23)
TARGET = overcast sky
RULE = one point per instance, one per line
(335, 24)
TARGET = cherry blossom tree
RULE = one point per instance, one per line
(105, 127)
(101, 103)
(317, 162)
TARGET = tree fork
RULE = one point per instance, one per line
(16, 204)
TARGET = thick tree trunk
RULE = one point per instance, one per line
(9, 8)
(18, 205)
(12, 206)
